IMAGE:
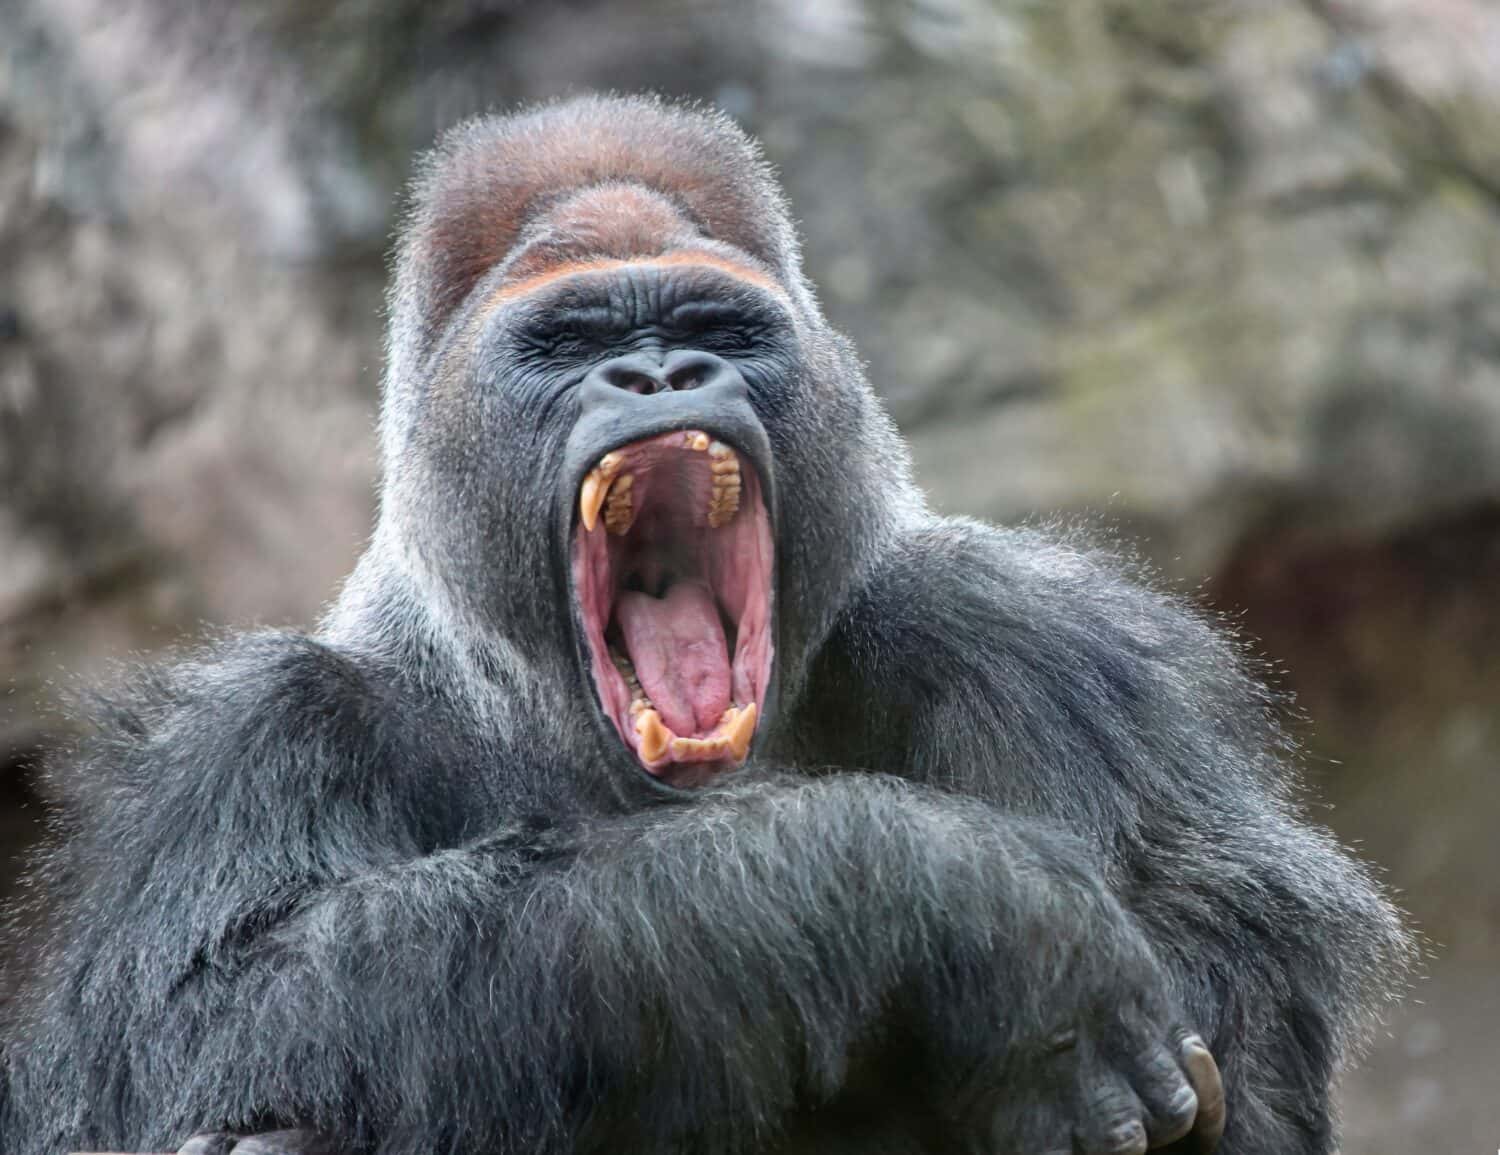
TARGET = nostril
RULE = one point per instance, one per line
(645, 374)
(631, 380)
(692, 370)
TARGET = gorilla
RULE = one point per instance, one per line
(667, 777)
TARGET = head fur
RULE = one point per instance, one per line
(507, 212)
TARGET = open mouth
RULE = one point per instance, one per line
(672, 565)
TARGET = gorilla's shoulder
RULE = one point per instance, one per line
(244, 681)
(1070, 636)
(270, 702)
(1050, 581)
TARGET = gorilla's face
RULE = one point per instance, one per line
(626, 452)
(669, 370)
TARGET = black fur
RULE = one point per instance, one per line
(1018, 823)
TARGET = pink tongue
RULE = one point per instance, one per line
(677, 646)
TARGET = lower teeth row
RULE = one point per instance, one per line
(638, 699)
(656, 739)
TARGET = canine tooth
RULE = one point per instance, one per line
(654, 735)
(696, 440)
(741, 730)
(590, 498)
(596, 487)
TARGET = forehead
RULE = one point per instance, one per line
(683, 258)
(613, 226)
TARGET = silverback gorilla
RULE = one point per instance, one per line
(667, 777)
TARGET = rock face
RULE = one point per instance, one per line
(1218, 275)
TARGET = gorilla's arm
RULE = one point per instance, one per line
(1011, 666)
(251, 936)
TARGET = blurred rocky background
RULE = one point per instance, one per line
(1219, 276)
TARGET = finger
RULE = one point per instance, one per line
(284, 1143)
(1170, 1101)
(1203, 1073)
(1110, 1120)
(208, 1143)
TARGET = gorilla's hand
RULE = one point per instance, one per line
(1105, 1091)
(1008, 989)
(1028, 999)
(265, 1143)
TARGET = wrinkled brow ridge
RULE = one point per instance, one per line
(685, 257)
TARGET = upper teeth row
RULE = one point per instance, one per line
(724, 497)
(605, 487)
(619, 509)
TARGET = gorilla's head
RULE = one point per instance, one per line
(621, 443)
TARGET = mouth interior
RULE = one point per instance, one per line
(672, 571)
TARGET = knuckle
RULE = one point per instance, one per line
(1125, 1139)
(1112, 1123)
(1176, 1117)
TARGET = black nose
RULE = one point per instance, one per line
(642, 373)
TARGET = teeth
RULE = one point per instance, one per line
(724, 497)
(741, 730)
(654, 735)
(737, 728)
(723, 505)
(605, 488)
(590, 498)
(619, 508)
(596, 488)
(625, 666)
(735, 741)
(639, 701)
